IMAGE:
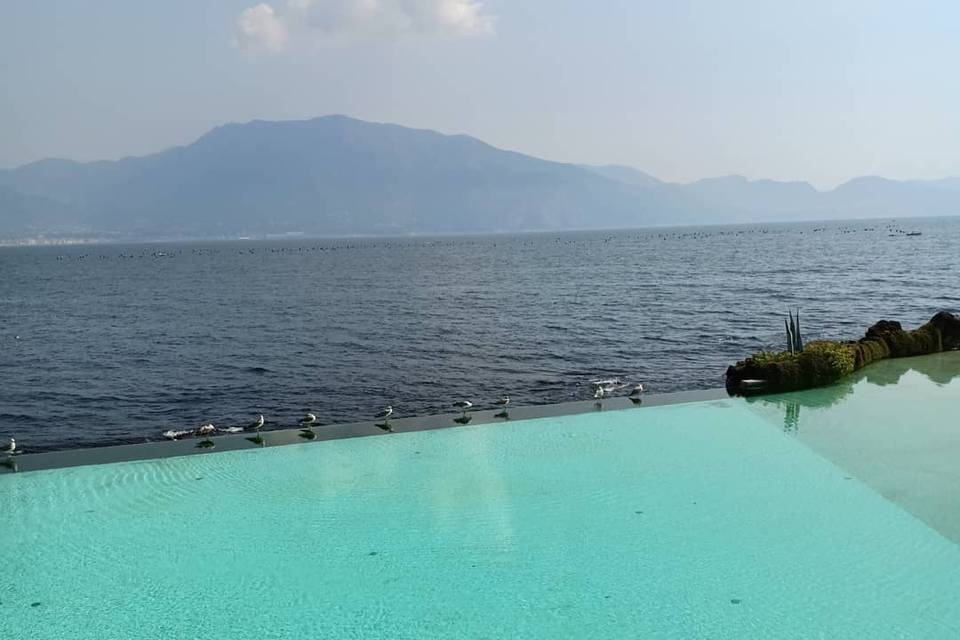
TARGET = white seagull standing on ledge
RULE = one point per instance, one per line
(11, 449)
(637, 390)
(307, 420)
(385, 416)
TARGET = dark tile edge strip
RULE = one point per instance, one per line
(280, 437)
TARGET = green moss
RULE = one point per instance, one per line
(771, 357)
(821, 362)
(869, 350)
(831, 359)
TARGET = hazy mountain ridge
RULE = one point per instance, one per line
(337, 175)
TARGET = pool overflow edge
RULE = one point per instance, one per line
(241, 441)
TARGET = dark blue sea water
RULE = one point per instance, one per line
(108, 344)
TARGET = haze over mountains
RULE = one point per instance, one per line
(335, 175)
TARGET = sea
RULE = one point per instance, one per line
(107, 344)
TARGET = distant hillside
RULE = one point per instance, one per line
(329, 175)
(336, 175)
(628, 175)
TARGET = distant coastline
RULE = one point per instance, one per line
(95, 239)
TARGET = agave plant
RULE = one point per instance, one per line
(792, 326)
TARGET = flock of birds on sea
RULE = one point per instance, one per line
(891, 229)
(602, 389)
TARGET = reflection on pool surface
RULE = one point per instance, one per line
(892, 425)
(699, 520)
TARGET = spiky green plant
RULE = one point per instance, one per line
(792, 326)
(796, 335)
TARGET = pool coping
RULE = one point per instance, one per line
(280, 437)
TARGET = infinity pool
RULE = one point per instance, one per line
(696, 520)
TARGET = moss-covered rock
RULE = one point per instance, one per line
(949, 327)
(824, 362)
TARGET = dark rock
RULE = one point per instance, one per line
(949, 327)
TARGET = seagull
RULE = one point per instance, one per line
(258, 423)
(637, 390)
(598, 396)
(385, 416)
(306, 427)
(11, 449)
(206, 429)
(464, 406)
(503, 402)
(608, 384)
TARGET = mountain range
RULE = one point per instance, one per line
(335, 175)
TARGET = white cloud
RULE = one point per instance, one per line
(259, 28)
(265, 28)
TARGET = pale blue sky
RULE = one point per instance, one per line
(812, 90)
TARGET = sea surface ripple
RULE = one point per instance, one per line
(106, 344)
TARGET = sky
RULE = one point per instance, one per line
(811, 90)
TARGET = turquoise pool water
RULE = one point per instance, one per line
(699, 520)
